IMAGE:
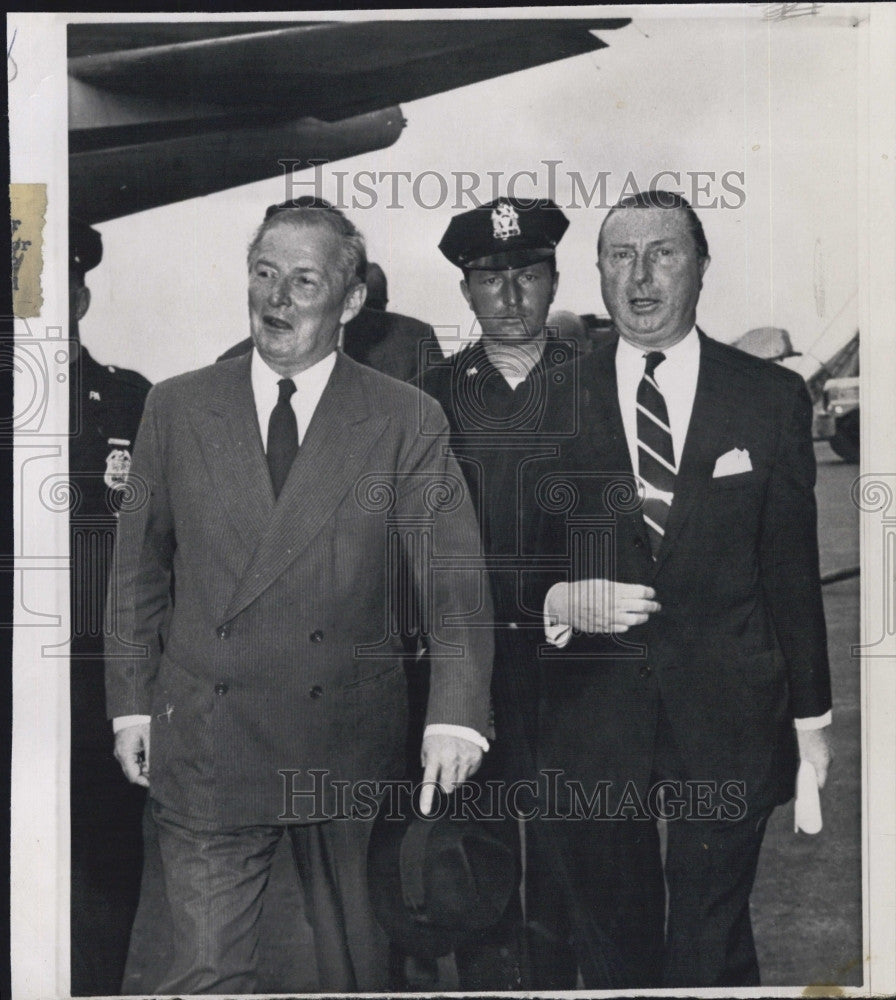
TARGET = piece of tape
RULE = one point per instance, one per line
(28, 208)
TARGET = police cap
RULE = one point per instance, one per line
(506, 233)
(85, 246)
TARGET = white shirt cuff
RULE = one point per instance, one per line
(123, 721)
(464, 732)
(815, 722)
(555, 631)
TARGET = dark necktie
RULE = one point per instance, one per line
(656, 455)
(283, 436)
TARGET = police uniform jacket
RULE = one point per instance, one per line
(502, 438)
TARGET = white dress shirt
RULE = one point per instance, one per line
(310, 385)
(676, 377)
(677, 381)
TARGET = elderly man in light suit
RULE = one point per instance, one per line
(256, 641)
(693, 645)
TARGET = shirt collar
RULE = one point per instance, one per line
(685, 352)
(309, 382)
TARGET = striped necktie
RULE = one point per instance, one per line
(283, 436)
(656, 455)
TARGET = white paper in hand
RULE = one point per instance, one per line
(807, 808)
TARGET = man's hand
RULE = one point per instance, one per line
(447, 761)
(600, 605)
(132, 752)
(815, 747)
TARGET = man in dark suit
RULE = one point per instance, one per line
(687, 630)
(500, 394)
(272, 490)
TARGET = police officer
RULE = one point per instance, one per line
(105, 405)
(500, 393)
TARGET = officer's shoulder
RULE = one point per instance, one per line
(110, 379)
(559, 351)
(129, 378)
(438, 376)
(462, 362)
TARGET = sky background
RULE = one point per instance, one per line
(727, 92)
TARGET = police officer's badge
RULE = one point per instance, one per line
(505, 221)
(118, 463)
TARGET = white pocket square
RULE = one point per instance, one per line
(732, 462)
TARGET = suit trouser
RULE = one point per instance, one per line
(610, 874)
(595, 904)
(215, 881)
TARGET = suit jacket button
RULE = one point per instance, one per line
(316, 636)
(224, 631)
(316, 691)
(639, 542)
(221, 689)
(645, 671)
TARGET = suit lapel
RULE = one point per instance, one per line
(231, 443)
(599, 416)
(707, 430)
(332, 454)
(603, 444)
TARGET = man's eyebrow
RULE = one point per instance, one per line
(305, 269)
(653, 243)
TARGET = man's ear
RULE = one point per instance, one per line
(82, 302)
(554, 285)
(354, 302)
(465, 291)
(704, 264)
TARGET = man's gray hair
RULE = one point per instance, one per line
(316, 212)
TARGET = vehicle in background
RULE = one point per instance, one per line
(833, 387)
(835, 392)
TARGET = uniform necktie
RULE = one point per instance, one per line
(656, 454)
(283, 436)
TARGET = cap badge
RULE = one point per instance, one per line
(505, 221)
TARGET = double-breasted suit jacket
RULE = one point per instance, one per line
(259, 634)
(738, 649)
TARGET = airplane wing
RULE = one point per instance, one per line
(160, 113)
